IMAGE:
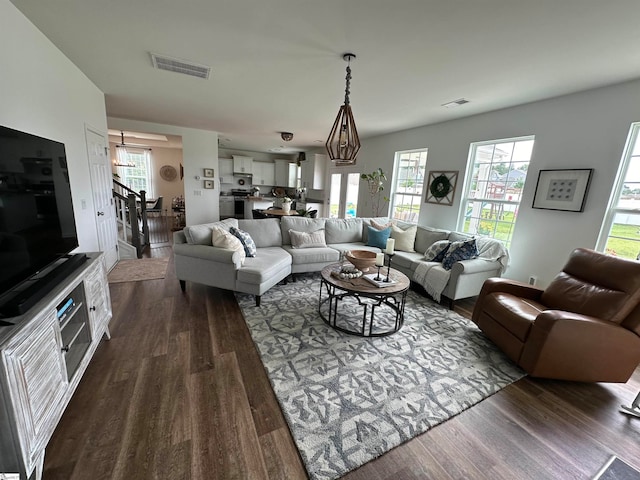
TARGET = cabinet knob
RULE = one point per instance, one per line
(93, 309)
(100, 214)
(65, 348)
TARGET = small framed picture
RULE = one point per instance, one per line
(562, 189)
(208, 172)
(208, 184)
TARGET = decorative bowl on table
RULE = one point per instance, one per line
(361, 259)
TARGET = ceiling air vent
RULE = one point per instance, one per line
(455, 103)
(162, 62)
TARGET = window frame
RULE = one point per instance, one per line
(125, 157)
(466, 198)
(395, 178)
(612, 210)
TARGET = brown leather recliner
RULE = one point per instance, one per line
(584, 326)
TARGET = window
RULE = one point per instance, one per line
(137, 176)
(620, 232)
(343, 195)
(495, 177)
(406, 188)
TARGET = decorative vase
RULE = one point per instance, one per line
(286, 207)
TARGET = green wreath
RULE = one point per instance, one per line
(440, 187)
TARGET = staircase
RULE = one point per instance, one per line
(131, 217)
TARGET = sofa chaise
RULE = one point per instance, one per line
(277, 257)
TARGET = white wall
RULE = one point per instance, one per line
(43, 93)
(582, 130)
(199, 151)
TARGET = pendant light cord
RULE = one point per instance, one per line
(347, 88)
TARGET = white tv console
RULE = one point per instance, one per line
(42, 358)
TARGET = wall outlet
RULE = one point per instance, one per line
(533, 280)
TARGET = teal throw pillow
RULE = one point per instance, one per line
(249, 245)
(459, 251)
(378, 238)
(437, 251)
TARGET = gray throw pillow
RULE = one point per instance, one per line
(437, 251)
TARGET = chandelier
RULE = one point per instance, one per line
(121, 154)
(343, 142)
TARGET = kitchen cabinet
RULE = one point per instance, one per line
(242, 164)
(42, 358)
(227, 205)
(264, 173)
(225, 166)
(282, 172)
(314, 170)
(286, 173)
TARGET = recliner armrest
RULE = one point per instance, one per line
(572, 346)
(514, 287)
(497, 284)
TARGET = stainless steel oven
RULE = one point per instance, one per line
(239, 195)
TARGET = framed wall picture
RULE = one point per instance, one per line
(562, 189)
(441, 187)
(208, 184)
(208, 172)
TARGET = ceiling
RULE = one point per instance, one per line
(276, 65)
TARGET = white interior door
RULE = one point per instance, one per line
(101, 185)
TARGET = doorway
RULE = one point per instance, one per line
(101, 185)
(343, 194)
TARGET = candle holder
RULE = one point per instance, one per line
(378, 277)
(389, 266)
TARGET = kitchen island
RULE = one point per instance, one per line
(256, 203)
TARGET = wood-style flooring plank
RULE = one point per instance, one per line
(149, 427)
(230, 334)
(224, 441)
(202, 349)
(281, 455)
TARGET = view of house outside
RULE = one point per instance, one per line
(407, 185)
(494, 189)
(622, 224)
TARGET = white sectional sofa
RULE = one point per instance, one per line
(196, 260)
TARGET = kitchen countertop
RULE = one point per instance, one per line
(266, 198)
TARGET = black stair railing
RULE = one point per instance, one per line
(131, 213)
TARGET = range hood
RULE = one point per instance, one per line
(240, 174)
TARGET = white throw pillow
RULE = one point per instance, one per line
(223, 239)
(405, 239)
(307, 240)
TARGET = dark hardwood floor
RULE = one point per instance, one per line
(179, 393)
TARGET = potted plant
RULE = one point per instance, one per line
(375, 180)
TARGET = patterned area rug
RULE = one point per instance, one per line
(349, 399)
(140, 269)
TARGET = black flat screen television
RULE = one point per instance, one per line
(37, 224)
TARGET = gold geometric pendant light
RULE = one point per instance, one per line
(343, 142)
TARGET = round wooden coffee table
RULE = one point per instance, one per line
(358, 307)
